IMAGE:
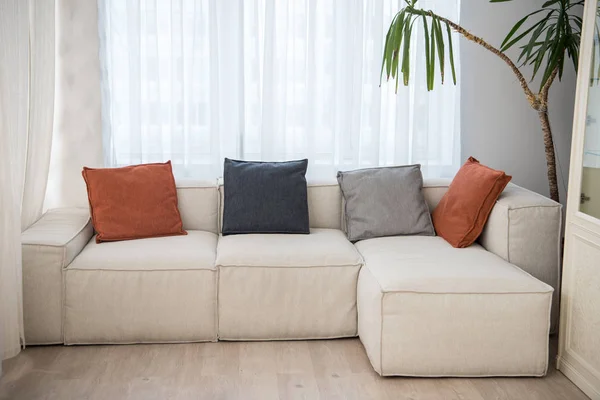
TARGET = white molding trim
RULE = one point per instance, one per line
(578, 379)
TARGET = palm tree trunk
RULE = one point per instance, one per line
(550, 156)
(548, 139)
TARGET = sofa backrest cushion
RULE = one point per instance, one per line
(325, 202)
(198, 205)
(434, 190)
(325, 206)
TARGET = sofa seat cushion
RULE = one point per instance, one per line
(154, 290)
(428, 309)
(197, 250)
(277, 287)
(323, 247)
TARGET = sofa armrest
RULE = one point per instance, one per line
(524, 228)
(48, 246)
(67, 228)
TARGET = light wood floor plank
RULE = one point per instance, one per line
(335, 369)
(296, 386)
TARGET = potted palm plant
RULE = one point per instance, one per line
(546, 38)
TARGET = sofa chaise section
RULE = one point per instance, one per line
(524, 228)
(48, 246)
(428, 309)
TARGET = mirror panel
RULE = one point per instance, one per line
(590, 182)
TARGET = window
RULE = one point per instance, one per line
(198, 80)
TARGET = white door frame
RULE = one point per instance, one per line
(582, 240)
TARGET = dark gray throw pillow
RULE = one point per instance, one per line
(386, 201)
(265, 197)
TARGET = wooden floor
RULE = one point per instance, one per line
(334, 369)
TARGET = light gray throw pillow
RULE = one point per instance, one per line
(385, 201)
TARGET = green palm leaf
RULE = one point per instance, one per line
(545, 42)
(551, 40)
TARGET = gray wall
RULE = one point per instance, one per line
(498, 125)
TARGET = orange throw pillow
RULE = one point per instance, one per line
(139, 201)
(464, 209)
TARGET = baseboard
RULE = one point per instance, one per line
(578, 379)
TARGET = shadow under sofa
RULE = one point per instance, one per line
(419, 306)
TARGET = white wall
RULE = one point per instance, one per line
(77, 139)
(498, 126)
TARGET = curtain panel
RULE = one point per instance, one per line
(26, 115)
(198, 80)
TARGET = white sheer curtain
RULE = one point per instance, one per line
(26, 114)
(198, 80)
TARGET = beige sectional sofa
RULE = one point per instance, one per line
(420, 307)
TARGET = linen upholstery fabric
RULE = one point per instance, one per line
(278, 287)
(428, 309)
(524, 228)
(48, 246)
(138, 201)
(156, 290)
(265, 197)
(198, 204)
(325, 205)
(463, 211)
(434, 190)
(385, 202)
